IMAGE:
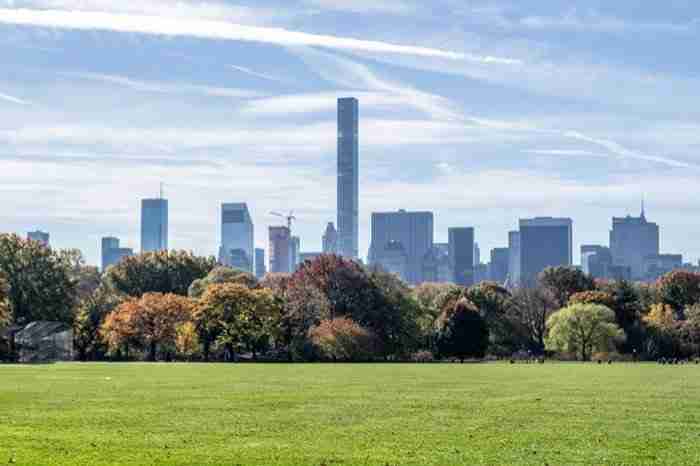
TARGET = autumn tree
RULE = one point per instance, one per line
(91, 313)
(495, 304)
(582, 329)
(38, 283)
(341, 339)
(187, 340)
(531, 309)
(165, 272)
(5, 316)
(563, 282)
(87, 278)
(150, 322)
(220, 275)
(432, 298)
(679, 289)
(663, 332)
(462, 332)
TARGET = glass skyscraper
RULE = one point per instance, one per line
(237, 237)
(348, 177)
(154, 225)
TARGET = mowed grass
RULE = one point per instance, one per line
(432, 414)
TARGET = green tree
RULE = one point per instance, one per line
(462, 332)
(495, 305)
(532, 307)
(87, 278)
(679, 289)
(563, 282)
(39, 286)
(165, 272)
(221, 275)
(582, 329)
(92, 311)
(5, 316)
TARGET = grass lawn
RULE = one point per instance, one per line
(437, 414)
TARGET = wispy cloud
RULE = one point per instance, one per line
(400, 7)
(220, 30)
(14, 100)
(165, 88)
(574, 21)
(257, 74)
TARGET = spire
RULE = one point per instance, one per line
(643, 216)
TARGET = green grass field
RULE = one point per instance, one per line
(438, 414)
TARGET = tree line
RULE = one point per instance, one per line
(177, 306)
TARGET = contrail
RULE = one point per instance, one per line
(220, 30)
(14, 100)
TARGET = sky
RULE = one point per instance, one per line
(480, 111)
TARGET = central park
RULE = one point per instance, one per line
(349, 414)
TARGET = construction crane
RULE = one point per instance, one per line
(289, 217)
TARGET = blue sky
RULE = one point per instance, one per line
(482, 111)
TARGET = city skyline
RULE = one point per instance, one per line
(486, 113)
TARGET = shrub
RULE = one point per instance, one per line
(341, 339)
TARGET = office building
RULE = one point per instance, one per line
(281, 260)
(596, 261)
(113, 253)
(348, 177)
(477, 254)
(436, 264)
(632, 239)
(260, 269)
(237, 237)
(659, 265)
(544, 242)
(461, 251)
(392, 258)
(39, 236)
(296, 251)
(154, 225)
(412, 230)
(330, 239)
(513, 259)
(498, 268)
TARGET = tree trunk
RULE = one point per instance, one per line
(152, 351)
(206, 350)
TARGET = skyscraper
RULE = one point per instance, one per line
(280, 250)
(112, 253)
(154, 225)
(237, 237)
(461, 246)
(413, 231)
(295, 244)
(632, 240)
(498, 270)
(260, 269)
(513, 258)
(348, 177)
(544, 242)
(330, 239)
(39, 236)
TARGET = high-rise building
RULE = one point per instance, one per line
(112, 253)
(436, 264)
(348, 177)
(154, 225)
(513, 259)
(260, 269)
(281, 260)
(461, 245)
(237, 237)
(632, 239)
(659, 265)
(477, 254)
(330, 239)
(544, 242)
(308, 256)
(412, 230)
(498, 269)
(39, 236)
(596, 261)
(392, 258)
(295, 244)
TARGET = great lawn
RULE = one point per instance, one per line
(432, 414)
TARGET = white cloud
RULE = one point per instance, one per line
(209, 29)
(574, 21)
(14, 100)
(165, 88)
(399, 7)
(257, 74)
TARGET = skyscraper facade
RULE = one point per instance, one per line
(281, 260)
(632, 240)
(237, 237)
(413, 231)
(39, 236)
(260, 269)
(544, 242)
(330, 239)
(461, 246)
(154, 225)
(513, 258)
(295, 244)
(596, 261)
(348, 177)
(498, 269)
(112, 253)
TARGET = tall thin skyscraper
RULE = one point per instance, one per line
(348, 177)
(280, 250)
(237, 237)
(154, 225)
(461, 251)
(330, 239)
(260, 269)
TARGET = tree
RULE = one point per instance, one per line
(462, 332)
(5, 315)
(664, 333)
(341, 339)
(149, 322)
(39, 286)
(91, 314)
(563, 282)
(432, 298)
(187, 340)
(679, 290)
(87, 278)
(495, 306)
(222, 275)
(235, 317)
(165, 272)
(582, 329)
(532, 307)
